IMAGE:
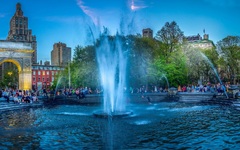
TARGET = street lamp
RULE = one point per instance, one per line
(10, 73)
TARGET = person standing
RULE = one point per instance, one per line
(6, 95)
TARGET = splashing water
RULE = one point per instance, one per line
(57, 86)
(164, 76)
(112, 66)
(215, 71)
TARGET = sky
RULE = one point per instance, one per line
(78, 22)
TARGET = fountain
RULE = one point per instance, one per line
(215, 71)
(57, 86)
(112, 61)
(164, 76)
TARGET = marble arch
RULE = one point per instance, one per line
(20, 54)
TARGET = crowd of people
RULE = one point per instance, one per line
(30, 96)
(214, 88)
(208, 87)
(18, 96)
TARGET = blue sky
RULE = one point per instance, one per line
(69, 21)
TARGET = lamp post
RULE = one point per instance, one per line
(10, 73)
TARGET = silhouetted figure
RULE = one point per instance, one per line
(148, 99)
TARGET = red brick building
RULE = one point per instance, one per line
(44, 75)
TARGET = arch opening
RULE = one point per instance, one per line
(10, 70)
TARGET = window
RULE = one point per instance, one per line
(38, 79)
(43, 79)
(34, 73)
(39, 72)
(34, 79)
(52, 72)
(43, 72)
(47, 72)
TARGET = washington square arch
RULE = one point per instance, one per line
(20, 54)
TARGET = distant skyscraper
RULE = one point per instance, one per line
(19, 31)
(147, 33)
(61, 54)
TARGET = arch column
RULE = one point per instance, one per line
(25, 80)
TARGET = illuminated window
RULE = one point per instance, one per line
(43, 72)
(47, 72)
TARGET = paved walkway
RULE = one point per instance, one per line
(4, 106)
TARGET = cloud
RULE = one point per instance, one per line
(137, 4)
(88, 11)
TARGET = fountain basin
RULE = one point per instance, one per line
(116, 114)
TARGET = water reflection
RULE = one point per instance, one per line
(164, 126)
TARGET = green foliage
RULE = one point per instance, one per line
(10, 78)
(140, 57)
(171, 36)
(156, 62)
(230, 57)
(175, 71)
(84, 71)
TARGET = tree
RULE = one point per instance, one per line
(174, 72)
(140, 58)
(170, 35)
(229, 50)
(84, 67)
(10, 77)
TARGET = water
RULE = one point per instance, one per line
(155, 126)
(164, 76)
(215, 71)
(112, 66)
(57, 86)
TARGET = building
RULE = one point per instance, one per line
(18, 55)
(193, 38)
(44, 75)
(19, 31)
(61, 54)
(147, 33)
(196, 41)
